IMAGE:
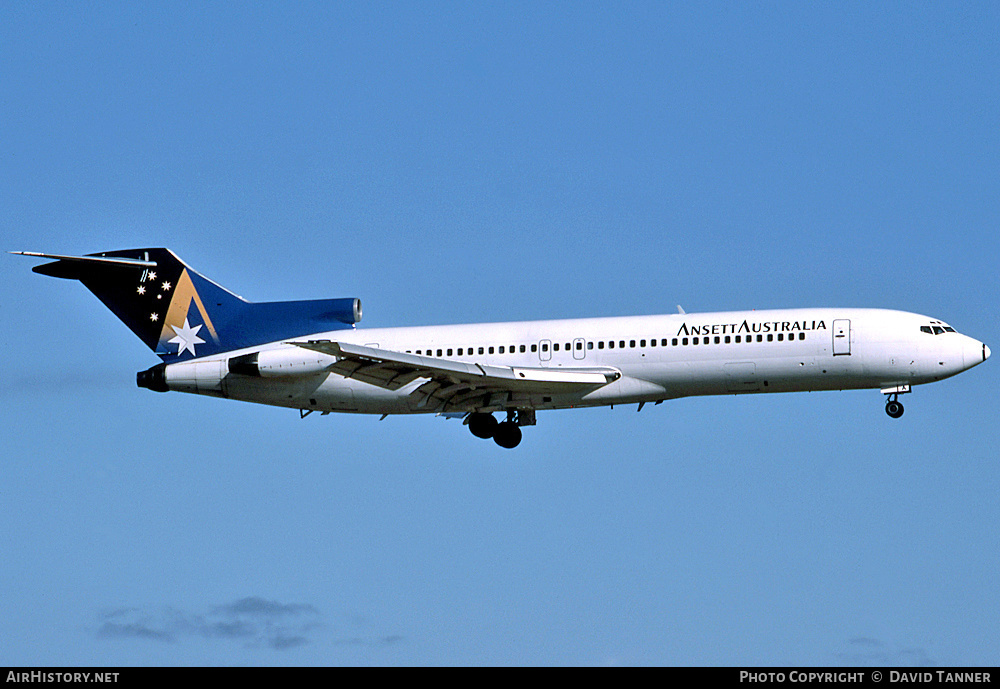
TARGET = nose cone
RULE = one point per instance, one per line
(975, 352)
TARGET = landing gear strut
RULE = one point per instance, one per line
(507, 433)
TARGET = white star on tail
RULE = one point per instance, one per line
(187, 338)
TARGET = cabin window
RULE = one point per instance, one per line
(781, 337)
(770, 337)
(439, 352)
(534, 348)
(449, 352)
(600, 345)
(717, 340)
(802, 336)
(674, 342)
(611, 344)
(545, 347)
(590, 345)
(695, 340)
(555, 347)
(501, 349)
(490, 350)
(684, 341)
(652, 343)
(621, 344)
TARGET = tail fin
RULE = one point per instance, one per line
(180, 314)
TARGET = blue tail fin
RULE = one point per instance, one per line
(180, 314)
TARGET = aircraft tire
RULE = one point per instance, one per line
(894, 409)
(508, 435)
(483, 425)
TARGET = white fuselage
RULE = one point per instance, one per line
(659, 358)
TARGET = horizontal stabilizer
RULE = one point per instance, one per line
(71, 267)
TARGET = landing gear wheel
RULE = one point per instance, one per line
(483, 425)
(507, 435)
(894, 409)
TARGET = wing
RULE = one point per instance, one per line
(453, 385)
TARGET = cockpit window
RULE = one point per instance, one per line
(936, 328)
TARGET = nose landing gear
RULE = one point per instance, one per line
(892, 405)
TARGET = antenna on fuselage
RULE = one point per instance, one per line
(681, 310)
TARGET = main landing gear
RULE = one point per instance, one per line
(507, 433)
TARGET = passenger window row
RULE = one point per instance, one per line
(613, 344)
(472, 351)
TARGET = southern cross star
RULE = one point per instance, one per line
(187, 338)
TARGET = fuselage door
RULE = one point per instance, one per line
(841, 337)
(741, 377)
(579, 348)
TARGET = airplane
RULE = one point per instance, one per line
(310, 356)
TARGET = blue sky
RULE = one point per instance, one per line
(450, 163)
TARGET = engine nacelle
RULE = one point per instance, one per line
(206, 377)
(281, 363)
(202, 377)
